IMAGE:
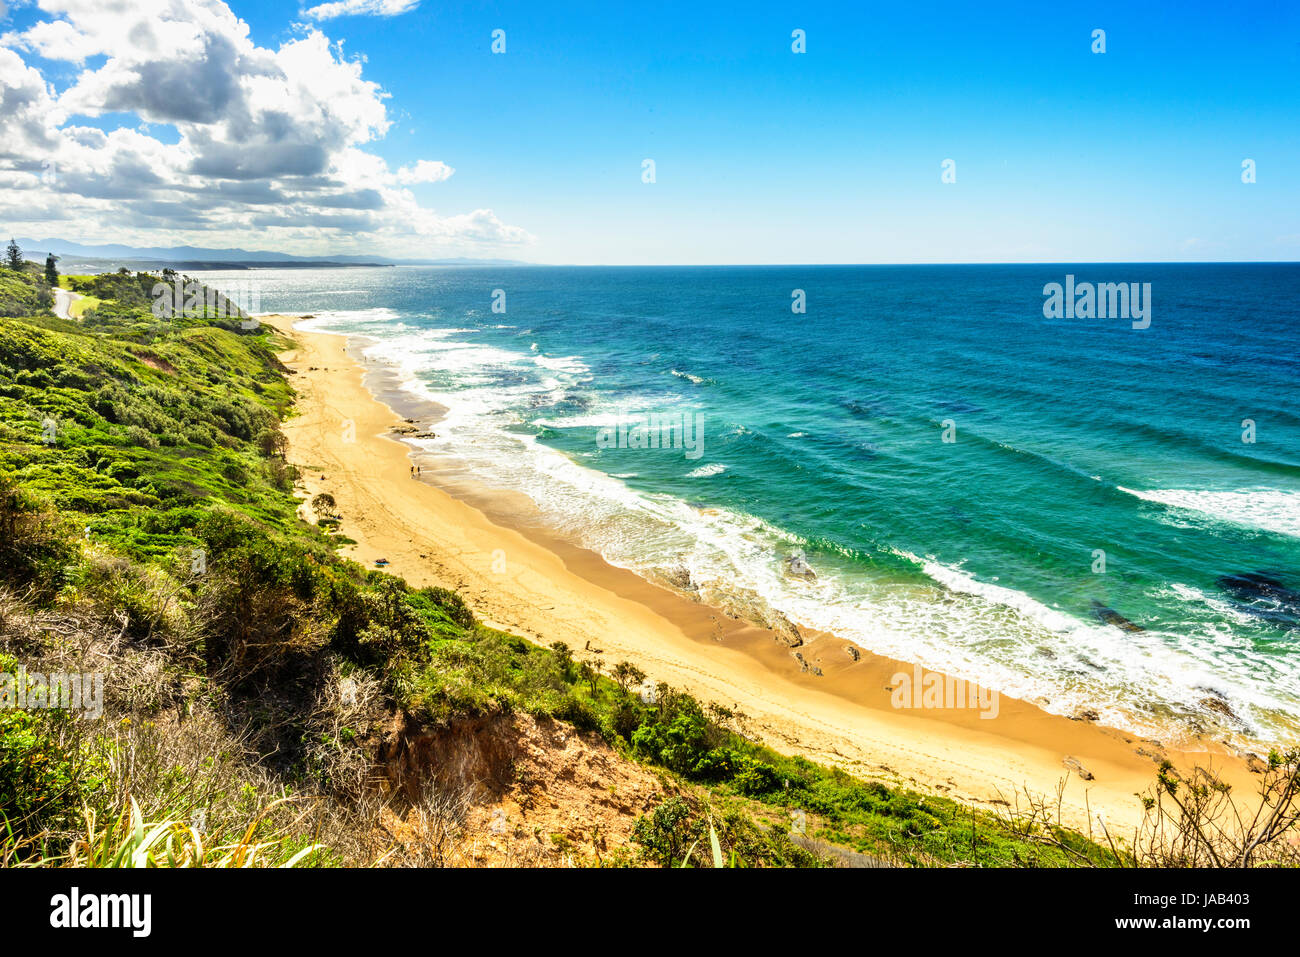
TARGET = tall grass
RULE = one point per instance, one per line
(130, 841)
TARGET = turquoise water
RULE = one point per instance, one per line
(823, 434)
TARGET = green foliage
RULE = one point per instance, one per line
(143, 433)
(668, 832)
(34, 543)
(22, 294)
(130, 841)
(36, 776)
(673, 834)
(43, 780)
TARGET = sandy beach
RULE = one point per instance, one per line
(822, 699)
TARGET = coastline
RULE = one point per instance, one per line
(517, 576)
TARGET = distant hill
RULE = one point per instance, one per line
(198, 257)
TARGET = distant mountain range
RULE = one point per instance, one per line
(198, 256)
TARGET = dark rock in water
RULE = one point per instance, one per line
(1257, 585)
(412, 432)
(857, 407)
(853, 652)
(1110, 616)
(1264, 597)
(680, 577)
(1215, 701)
(1219, 706)
(1086, 714)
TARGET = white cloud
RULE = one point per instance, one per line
(273, 142)
(55, 40)
(370, 8)
(425, 171)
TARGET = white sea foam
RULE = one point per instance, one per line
(594, 420)
(350, 320)
(1270, 509)
(571, 364)
(704, 471)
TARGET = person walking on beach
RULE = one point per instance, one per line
(412, 471)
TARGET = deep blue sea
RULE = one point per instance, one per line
(1070, 510)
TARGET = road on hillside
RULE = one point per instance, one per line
(63, 300)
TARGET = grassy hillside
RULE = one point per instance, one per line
(149, 532)
(24, 294)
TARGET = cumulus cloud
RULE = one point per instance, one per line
(372, 8)
(26, 104)
(425, 171)
(277, 142)
(55, 40)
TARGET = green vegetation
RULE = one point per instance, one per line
(146, 516)
(20, 296)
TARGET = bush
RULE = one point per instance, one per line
(34, 540)
(44, 774)
(451, 604)
(668, 832)
(142, 438)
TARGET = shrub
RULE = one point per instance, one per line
(668, 832)
(34, 540)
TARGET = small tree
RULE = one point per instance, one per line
(14, 257)
(589, 672)
(564, 657)
(272, 442)
(669, 833)
(323, 505)
(51, 273)
(626, 673)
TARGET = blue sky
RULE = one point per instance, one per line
(834, 155)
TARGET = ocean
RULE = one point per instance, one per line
(1079, 512)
